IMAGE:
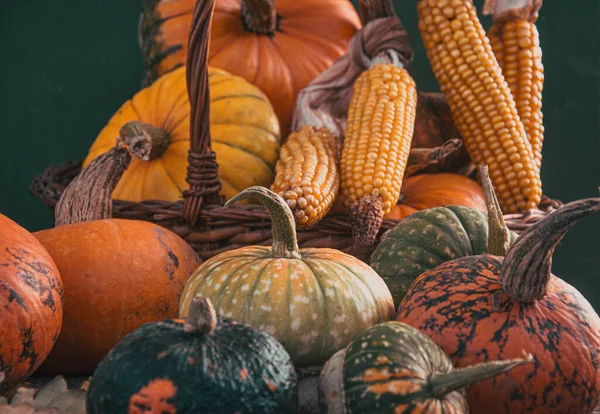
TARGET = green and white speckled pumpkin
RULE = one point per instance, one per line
(202, 365)
(314, 301)
(393, 368)
(428, 238)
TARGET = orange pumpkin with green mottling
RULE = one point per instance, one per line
(314, 301)
(117, 275)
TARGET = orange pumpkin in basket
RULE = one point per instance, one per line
(243, 126)
(423, 191)
(280, 46)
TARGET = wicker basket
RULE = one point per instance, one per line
(200, 218)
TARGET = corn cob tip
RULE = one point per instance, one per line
(365, 216)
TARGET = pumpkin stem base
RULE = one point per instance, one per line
(201, 317)
(143, 140)
(365, 216)
(260, 16)
(442, 384)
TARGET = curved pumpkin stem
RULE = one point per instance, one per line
(442, 384)
(285, 243)
(89, 196)
(259, 16)
(498, 236)
(201, 317)
(143, 140)
(526, 268)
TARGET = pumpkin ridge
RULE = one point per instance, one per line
(240, 95)
(371, 292)
(183, 101)
(253, 126)
(325, 311)
(269, 167)
(464, 230)
(254, 286)
(209, 271)
(176, 125)
(222, 292)
(170, 175)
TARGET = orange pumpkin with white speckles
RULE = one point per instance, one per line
(314, 301)
(31, 303)
(117, 275)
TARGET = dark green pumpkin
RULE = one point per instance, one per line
(394, 368)
(430, 237)
(202, 365)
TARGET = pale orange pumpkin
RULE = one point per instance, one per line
(280, 46)
(423, 191)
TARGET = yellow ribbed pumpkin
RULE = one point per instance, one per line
(244, 130)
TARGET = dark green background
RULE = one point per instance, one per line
(66, 66)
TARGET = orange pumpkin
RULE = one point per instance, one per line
(280, 46)
(423, 191)
(117, 275)
(31, 303)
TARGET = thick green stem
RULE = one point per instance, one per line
(526, 268)
(283, 227)
(259, 16)
(143, 140)
(442, 384)
(201, 317)
(498, 235)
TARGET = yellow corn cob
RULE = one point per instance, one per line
(307, 173)
(480, 100)
(379, 130)
(516, 44)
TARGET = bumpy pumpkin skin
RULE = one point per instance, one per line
(117, 275)
(454, 304)
(244, 131)
(159, 368)
(31, 303)
(309, 36)
(314, 305)
(427, 239)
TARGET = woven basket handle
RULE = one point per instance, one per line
(203, 170)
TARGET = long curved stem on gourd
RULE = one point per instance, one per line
(259, 16)
(498, 236)
(143, 140)
(201, 317)
(285, 243)
(527, 265)
(89, 196)
(442, 384)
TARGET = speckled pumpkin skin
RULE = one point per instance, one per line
(314, 306)
(236, 369)
(386, 370)
(454, 305)
(117, 275)
(427, 239)
(31, 303)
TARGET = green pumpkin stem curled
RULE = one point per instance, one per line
(89, 196)
(143, 140)
(442, 384)
(527, 265)
(201, 317)
(498, 236)
(285, 243)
